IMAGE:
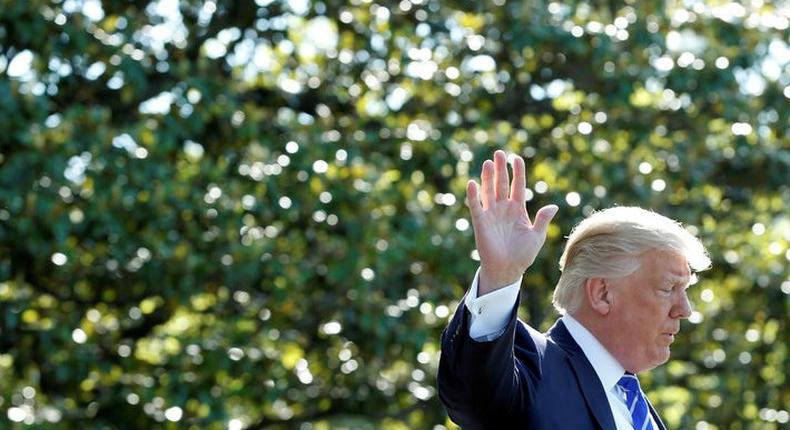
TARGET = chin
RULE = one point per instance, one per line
(662, 358)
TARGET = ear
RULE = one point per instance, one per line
(598, 295)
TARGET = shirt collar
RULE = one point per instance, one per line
(608, 369)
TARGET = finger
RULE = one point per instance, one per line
(518, 186)
(544, 217)
(473, 200)
(487, 180)
(500, 175)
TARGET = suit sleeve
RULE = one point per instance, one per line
(482, 382)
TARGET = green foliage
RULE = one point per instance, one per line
(250, 214)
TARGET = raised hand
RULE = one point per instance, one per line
(506, 239)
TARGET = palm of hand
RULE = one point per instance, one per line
(507, 236)
(507, 241)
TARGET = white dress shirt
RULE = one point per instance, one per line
(491, 313)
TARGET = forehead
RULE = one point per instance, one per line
(668, 266)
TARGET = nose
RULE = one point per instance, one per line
(682, 307)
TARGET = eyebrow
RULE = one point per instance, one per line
(691, 279)
(687, 281)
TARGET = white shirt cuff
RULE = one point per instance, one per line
(491, 312)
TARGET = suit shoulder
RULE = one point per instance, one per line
(526, 331)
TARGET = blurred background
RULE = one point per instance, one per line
(249, 214)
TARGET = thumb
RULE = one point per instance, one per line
(544, 217)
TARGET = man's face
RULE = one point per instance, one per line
(646, 308)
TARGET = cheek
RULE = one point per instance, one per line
(638, 326)
(649, 319)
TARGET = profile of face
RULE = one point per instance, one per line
(645, 309)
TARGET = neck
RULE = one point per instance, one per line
(597, 326)
(590, 322)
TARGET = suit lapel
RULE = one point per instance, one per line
(585, 375)
(656, 418)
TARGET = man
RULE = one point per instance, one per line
(622, 294)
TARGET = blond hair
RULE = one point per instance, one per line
(607, 244)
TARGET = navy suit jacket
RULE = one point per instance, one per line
(523, 379)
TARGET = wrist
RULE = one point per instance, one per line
(491, 281)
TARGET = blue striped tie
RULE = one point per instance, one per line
(635, 400)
